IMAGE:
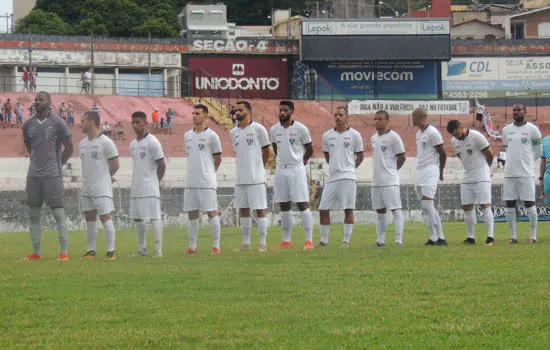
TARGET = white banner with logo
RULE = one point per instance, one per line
(367, 27)
(406, 107)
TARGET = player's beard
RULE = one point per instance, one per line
(284, 119)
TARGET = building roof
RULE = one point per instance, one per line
(478, 21)
(530, 12)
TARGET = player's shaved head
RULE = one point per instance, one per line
(139, 115)
(46, 96)
(93, 117)
(383, 113)
(420, 113)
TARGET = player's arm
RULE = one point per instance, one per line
(359, 157)
(309, 152)
(161, 168)
(542, 169)
(489, 156)
(265, 155)
(537, 144)
(68, 149)
(217, 160)
(274, 145)
(442, 159)
(26, 138)
(327, 157)
(401, 158)
(114, 165)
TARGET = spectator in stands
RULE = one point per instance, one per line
(162, 125)
(32, 110)
(501, 160)
(86, 81)
(25, 79)
(479, 117)
(155, 118)
(18, 115)
(2, 115)
(169, 117)
(8, 109)
(95, 108)
(32, 79)
(233, 115)
(70, 115)
(120, 131)
(107, 129)
(63, 111)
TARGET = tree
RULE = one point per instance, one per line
(40, 22)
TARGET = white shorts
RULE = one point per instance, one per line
(427, 191)
(476, 193)
(339, 194)
(147, 208)
(203, 199)
(251, 196)
(103, 205)
(290, 185)
(519, 188)
(387, 197)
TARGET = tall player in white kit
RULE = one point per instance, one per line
(149, 169)
(204, 156)
(476, 156)
(388, 156)
(292, 145)
(430, 164)
(251, 146)
(100, 162)
(523, 142)
(343, 149)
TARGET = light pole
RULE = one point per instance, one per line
(391, 8)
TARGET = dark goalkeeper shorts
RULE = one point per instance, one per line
(45, 189)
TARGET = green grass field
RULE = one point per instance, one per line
(459, 297)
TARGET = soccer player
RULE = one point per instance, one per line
(545, 170)
(251, 146)
(45, 135)
(430, 164)
(523, 146)
(388, 155)
(149, 169)
(100, 162)
(204, 152)
(343, 149)
(292, 146)
(473, 150)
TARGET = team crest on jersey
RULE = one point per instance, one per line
(524, 140)
(383, 148)
(50, 135)
(424, 144)
(292, 141)
(346, 144)
(201, 146)
(250, 141)
(142, 155)
(95, 155)
(469, 151)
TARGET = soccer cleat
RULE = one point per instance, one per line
(110, 256)
(345, 244)
(469, 241)
(442, 242)
(284, 245)
(378, 245)
(191, 251)
(90, 255)
(243, 248)
(308, 245)
(157, 254)
(262, 248)
(512, 241)
(140, 253)
(532, 241)
(490, 241)
(430, 242)
(216, 251)
(33, 257)
(63, 257)
(399, 245)
(321, 245)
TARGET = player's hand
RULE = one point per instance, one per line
(305, 162)
(491, 172)
(441, 177)
(113, 179)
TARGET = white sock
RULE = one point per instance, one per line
(192, 230)
(307, 224)
(286, 225)
(325, 229)
(348, 230)
(141, 231)
(381, 226)
(215, 231)
(489, 219)
(470, 221)
(109, 228)
(246, 226)
(511, 219)
(157, 234)
(428, 220)
(91, 234)
(399, 225)
(262, 227)
(62, 229)
(533, 219)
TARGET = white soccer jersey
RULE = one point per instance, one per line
(385, 149)
(426, 141)
(341, 148)
(200, 149)
(95, 155)
(247, 145)
(470, 151)
(290, 143)
(523, 146)
(146, 152)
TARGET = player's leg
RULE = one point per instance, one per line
(346, 199)
(209, 203)
(528, 196)
(191, 207)
(328, 197)
(485, 198)
(34, 200)
(110, 234)
(349, 221)
(155, 215)
(245, 220)
(467, 197)
(393, 204)
(53, 196)
(257, 199)
(137, 213)
(281, 195)
(300, 196)
(426, 213)
(511, 196)
(428, 194)
(91, 232)
(379, 206)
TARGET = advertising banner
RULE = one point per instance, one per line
(543, 211)
(495, 77)
(406, 107)
(366, 27)
(383, 80)
(247, 77)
